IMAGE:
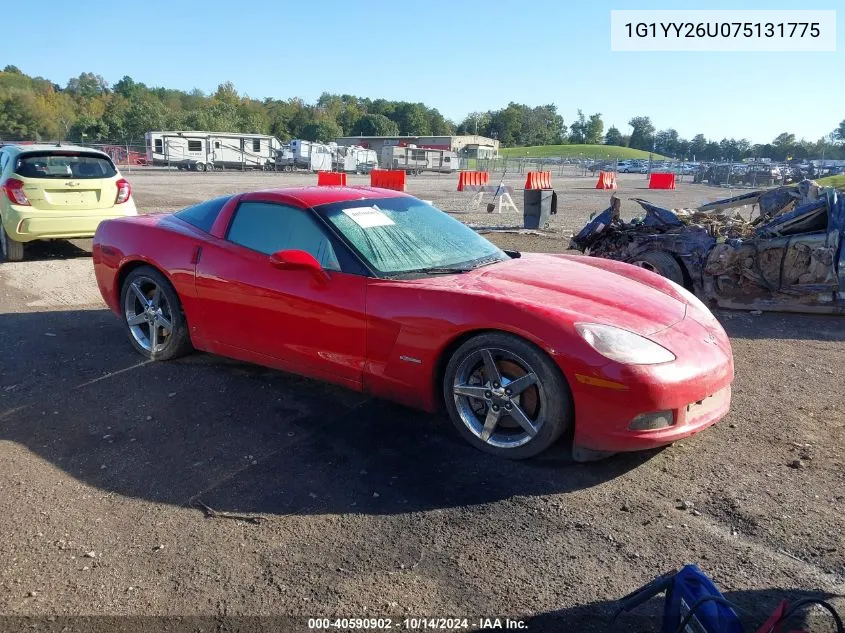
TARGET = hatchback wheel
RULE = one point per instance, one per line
(153, 315)
(10, 250)
(506, 396)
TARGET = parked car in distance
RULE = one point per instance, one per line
(383, 293)
(762, 174)
(56, 192)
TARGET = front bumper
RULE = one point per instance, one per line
(696, 388)
(25, 224)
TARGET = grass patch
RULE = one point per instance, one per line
(575, 151)
(833, 181)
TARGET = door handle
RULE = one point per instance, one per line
(195, 258)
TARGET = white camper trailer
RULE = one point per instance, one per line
(299, 154)
(354, 159)
(416, 160)
(204, 151)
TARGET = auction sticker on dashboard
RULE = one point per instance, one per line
(368, 217)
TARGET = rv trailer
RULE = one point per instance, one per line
(299, 154)
(354, 159)
(205, 151)
(416, 160)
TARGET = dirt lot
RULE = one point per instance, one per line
(370, 509)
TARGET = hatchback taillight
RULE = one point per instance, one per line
(13, 188)
(123, 191)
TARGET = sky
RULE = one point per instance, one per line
(458, 56)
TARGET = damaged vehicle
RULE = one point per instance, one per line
(786, 255)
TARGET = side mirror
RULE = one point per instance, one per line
(299, 260)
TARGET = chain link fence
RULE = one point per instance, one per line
(136, 155)
(580, 166)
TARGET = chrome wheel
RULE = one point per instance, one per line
(148, 314)
(499, 398)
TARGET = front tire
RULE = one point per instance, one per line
(505, 396)
(152, 314)
(661, 263)
(10, 250)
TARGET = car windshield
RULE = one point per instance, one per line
(64, 165)
(400, 236)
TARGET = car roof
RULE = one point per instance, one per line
(25, 148)
(315, 196)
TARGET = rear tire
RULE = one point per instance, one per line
(10, 250)
(661, 263)
(153, 316)
(505, 396)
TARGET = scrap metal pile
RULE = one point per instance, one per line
(784, 254)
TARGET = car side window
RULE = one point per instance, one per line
(267, 228)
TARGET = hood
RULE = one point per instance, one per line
(591, 289)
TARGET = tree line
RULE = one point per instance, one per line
(88, 109)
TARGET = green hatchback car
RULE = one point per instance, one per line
(56, 192)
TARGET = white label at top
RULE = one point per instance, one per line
(368, 217)
(723, 30)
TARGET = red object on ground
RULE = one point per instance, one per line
(388, 179)
(473, 179)
(331, 179)
(607, 180)
(661, 181)
(390, 336)
(538, 180)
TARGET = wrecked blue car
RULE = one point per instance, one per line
(786, 255)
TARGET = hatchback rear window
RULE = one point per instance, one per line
(59, 165)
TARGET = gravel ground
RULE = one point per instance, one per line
(368, 508)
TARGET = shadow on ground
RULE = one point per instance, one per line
(56, 249)
(782, 325)
(240, 437)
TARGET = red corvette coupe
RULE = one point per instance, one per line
(380, 292)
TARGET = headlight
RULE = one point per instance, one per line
(692, 299)
(623, 346)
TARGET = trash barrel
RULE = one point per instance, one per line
(537, 207)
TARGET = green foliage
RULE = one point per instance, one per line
(87, 85)
(577, 151)
(375, 125)
(642, 136)
(16, 117)
(324, 131)
(34, 108)
(87, 109)
(594, 129)
(833, 181)
(578, 129)
(613, 137)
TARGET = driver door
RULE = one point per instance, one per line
(287, 318)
